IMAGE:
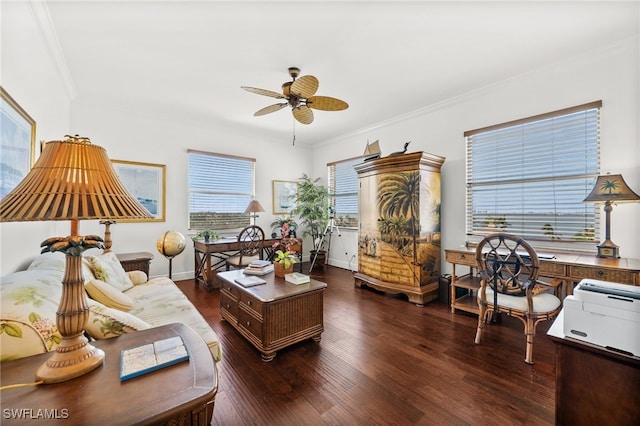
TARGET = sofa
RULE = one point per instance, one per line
(119, 302)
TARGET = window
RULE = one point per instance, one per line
(529, 177)
(220, 189)
(343, 191)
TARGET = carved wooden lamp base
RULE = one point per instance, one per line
(74, 356)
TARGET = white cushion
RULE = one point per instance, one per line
(542, 302)
(107, 268)
(108, 295)
(235, 260)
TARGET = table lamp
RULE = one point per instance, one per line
(253, 208)
(610, 189)
(72, 180)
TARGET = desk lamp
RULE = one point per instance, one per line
(72, 180)
(253, 208)
(610, 189)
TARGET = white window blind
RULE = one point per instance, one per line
(529, 177)
(220, 189)
(343, 191)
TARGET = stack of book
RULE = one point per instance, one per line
(259, 267)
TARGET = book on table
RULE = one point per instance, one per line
(249, 270)
(250, 281)
(297, 278)
(150, 357)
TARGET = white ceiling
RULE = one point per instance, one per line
(188, 59)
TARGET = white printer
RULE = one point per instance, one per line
(605, 314)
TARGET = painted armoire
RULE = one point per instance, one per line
(399, 230)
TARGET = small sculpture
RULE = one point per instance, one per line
(401, 152)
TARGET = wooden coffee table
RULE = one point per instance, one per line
(274, 315)
(180, 394)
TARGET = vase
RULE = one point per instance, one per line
(280, 271)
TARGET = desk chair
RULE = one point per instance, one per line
(508, 267)
(251, 239)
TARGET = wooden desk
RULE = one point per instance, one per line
(274, 315)
(211, 256)
(570, 268)
(180, 394)
(594, 385)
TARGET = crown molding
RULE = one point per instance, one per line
(41, 15)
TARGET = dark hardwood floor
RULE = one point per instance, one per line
(381, 361)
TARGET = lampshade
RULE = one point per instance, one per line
(254, 207)
(72, 179)
(611, 188)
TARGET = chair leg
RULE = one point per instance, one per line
(529, 332)
(482, 320)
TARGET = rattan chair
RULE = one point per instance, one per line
(252, 240)
(508, 267)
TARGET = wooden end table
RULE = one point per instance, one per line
(179, 394)
(274, 315)
(138, 261)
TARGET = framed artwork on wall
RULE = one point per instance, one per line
(284, 196)
(146, 182)
(17, 143)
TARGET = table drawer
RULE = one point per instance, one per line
(461, 258)
(252, 324)
(229, 303)
(611, 275)
(551, 269)
(251, 303)
(230, 288)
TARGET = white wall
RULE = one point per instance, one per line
(611, 75)
(30, 75)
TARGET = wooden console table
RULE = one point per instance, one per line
(209, 256)
(594, 385)
(180, 394)
(274, 315)
(138, 261)
(570, 268)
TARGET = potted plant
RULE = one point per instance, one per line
(284, 224)
(313, 208)
(206, 234)
(283, 263)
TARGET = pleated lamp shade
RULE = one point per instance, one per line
(254, 207)
(72, 180)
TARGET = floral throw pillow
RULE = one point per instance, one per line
(107, 268)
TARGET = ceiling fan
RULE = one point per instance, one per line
(299, 94)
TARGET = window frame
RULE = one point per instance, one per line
(346, 220)
(541, 238)
(235, 220)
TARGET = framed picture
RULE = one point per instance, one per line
(146, 182)
(17, 143)
(285, 194)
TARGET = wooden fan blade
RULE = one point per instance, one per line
(305, 86)
(263, 92)
(303, 114)
(326, 103)
(270, 109)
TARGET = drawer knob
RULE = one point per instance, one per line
(248, 323)
(600, 273)
(249, 302)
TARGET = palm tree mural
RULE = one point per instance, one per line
(398, 203)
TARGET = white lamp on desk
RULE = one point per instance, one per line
(610, 189)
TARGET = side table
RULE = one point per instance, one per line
(179, 394)
(138, 261)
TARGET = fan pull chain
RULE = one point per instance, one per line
(293, 142)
